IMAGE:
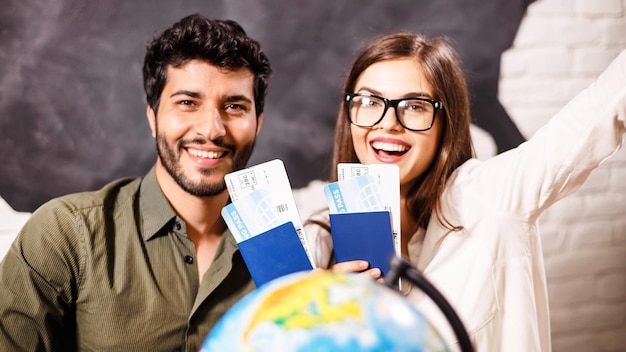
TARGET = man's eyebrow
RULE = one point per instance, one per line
(234, 98)
(187, 93)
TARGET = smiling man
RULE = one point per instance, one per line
(148, 263)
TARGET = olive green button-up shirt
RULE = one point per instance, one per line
(113, 270)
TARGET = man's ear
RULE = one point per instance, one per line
(152, 120)
(259, 122)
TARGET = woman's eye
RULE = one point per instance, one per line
(417, 107)
(366, 103)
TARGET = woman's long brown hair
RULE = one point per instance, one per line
(442, 69)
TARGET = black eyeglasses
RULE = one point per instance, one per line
(414, 114)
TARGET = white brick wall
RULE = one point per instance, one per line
(562, 45)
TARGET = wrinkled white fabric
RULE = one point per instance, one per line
(11, 222)
(492, 271)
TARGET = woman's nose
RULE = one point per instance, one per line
(390, 120)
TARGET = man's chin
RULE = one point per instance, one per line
(208, 183)
(205, 190)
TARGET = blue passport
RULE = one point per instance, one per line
(274, 253)
(363, 236)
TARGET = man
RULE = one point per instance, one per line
(148, 264)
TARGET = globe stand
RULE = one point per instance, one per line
(400, 268)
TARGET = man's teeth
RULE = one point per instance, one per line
(205, 154)
(388, 147)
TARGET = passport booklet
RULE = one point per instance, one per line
(387, 176)
(265, 222)
(364, 209)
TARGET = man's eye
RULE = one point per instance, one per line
(186, 102)
(236, 108)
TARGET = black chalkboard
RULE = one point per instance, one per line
(72, 108)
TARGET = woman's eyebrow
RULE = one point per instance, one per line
(408, 95)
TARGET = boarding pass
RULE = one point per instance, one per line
(252, 215)
(387, 177)
(354, 195)
(262, 199)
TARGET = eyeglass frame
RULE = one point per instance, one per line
(437, 105)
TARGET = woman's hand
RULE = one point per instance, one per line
(356, 266)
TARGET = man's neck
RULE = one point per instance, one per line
(202, 215)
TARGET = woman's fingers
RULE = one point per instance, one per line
(351, 266)
(357, 266)
(374, 273)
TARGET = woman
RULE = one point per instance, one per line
(469, 226)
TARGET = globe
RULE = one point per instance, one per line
(323, 311)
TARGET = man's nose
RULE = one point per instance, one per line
(210, 125)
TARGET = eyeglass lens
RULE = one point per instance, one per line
(414, 114)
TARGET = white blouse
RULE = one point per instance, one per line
(492, 271)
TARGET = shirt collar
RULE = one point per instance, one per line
(156, 211)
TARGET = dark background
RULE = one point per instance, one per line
(72, 107)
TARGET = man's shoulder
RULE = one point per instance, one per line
(110, 195)
(66, 218)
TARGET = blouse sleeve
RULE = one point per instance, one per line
(561, 155)
(319, 239)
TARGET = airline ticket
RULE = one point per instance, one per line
(262, 199)
(354, 195)
(387, 177)
(252, 215)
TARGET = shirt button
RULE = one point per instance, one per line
(188, 259)
(177, 226)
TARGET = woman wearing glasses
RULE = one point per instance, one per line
(469, 226)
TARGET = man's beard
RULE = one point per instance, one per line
(170, 157)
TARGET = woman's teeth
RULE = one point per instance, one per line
(389, 147)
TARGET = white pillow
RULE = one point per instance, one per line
(11, 223)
